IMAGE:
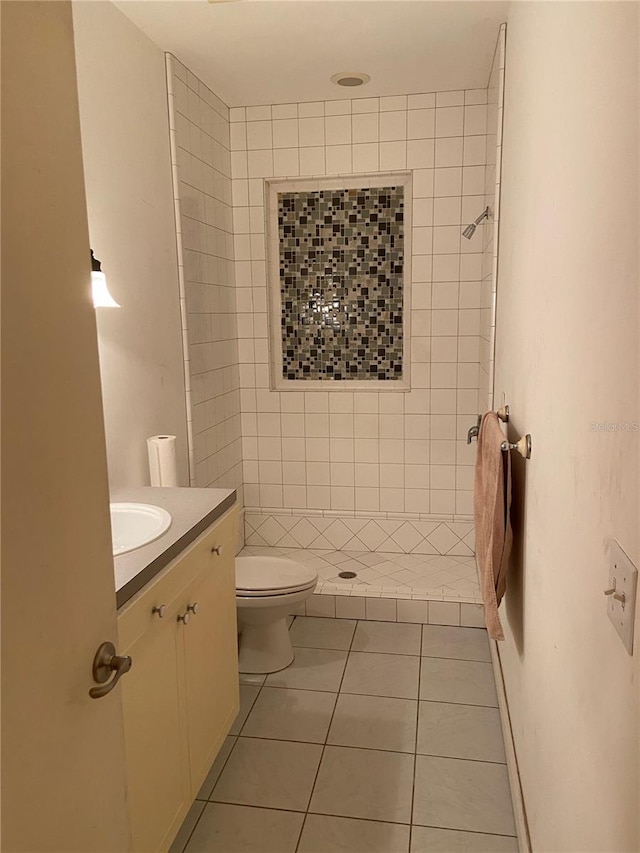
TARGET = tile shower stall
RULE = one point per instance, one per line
(338, 328)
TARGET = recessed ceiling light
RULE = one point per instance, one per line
(350, 78)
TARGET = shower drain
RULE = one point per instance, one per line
(347, 575)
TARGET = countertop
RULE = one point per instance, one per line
(192, 511)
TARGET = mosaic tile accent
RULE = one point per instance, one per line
(399, 536)
(341, 282)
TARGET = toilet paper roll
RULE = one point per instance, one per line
(163, 470)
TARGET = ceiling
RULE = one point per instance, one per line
(282, 51)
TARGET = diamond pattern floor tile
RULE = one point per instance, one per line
(429, 575)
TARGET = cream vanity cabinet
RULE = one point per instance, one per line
(181, 696)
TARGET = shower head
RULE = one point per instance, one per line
(470, 230)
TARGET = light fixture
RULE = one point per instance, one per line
(350, 78)
(101, 296)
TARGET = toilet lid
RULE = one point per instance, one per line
(271, 575)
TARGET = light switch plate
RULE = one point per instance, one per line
(623, 575)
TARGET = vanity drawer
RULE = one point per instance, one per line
(208, 553)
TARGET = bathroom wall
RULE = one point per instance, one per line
(566, 360)
(490, 227)
(377, 454)
(201, 168)
(127, 167)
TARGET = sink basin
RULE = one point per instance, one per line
(134, 525)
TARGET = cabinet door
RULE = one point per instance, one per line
(211, 662)
(155, 736)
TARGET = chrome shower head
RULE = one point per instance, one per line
(470, 230)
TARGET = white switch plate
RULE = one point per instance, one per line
(623, 575)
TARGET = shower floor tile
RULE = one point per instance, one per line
(340, 769)
(388, 575)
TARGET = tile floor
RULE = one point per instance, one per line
(379, 738)
(388, 575)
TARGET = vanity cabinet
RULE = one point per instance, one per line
(181, 696)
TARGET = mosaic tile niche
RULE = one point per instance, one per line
(341, 280)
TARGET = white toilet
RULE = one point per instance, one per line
(267, 589)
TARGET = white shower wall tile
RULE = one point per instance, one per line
(490, 228)
(201, 168)
(360, 137)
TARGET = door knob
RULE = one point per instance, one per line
(160, 610)
(193, 608)
(217, 550)
(184, 618)
(105, 663)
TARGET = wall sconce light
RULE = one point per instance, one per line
(101, 296)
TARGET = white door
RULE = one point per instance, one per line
(63, 779)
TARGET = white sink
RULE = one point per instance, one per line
(134, 525)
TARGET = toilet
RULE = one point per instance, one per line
(267, 589)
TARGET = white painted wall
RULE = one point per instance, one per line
(125, 139)
(567, 357)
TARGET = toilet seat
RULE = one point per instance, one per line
(272, 576)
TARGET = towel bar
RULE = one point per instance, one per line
(474, 430)
(502, 413)
(523, 446)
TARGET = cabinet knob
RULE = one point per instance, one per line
(193, 608)
(184, 618)
(217, 550)
(160, 610)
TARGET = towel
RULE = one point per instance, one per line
(492, 503)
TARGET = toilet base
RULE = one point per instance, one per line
(265, 648)
(264, 634)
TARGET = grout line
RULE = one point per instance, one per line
(379, 696)
(415, 745)
(367, 819)
(398, 654)
(324, 746)
(186, 844)
(235, 738)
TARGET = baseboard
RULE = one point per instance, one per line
(519, 810)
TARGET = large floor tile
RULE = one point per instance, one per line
(460, 731)
(426, 839)
(216, 768)
(248, 694)
(275, 774)
(398, 638)
(322, 834)
(456, 794)
(458, 681)
(382, 675)
(374, 722)
(443, 641)
(364, 783)
(315, 632)
(312, 669)
(239, 829)
(286, 714)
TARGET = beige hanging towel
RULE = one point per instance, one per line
(492, 503)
